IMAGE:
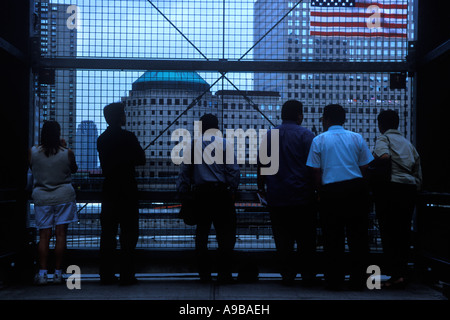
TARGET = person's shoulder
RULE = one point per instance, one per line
(118, 132)
(32, 151)
(306, 131)
(129, 135)
(319, 138)
(404, 141)
(353, 134)
(36, 149)
(103, 134)
(305, 134)
(347, 131)
(398, 137)
(127, 132)
(279, 127)
(101, 137)
(322, 135)
(382, 138)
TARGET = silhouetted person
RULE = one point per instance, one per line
(339, 158)
(290, 196)
(54, 197)
(119, 152)
(214, 186)
(395, 200)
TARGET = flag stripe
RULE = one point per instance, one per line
(356, 24)
(353, 19)
(363, 30)
(381, 5)
(357, 14)
(359, 34)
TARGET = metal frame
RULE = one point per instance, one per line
(223, 65)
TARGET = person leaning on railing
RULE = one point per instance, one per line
(213, 185)
(395, 200)
(119, 152)
(339, 159)
(53, 194)
(290, 197)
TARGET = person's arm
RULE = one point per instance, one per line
(317, 178)
(384, 156)
(141, 159)
(232, 171)
(417, 171)
(139, 153)
(381, 149)
(365, 157)
(72, 162)
(29, 185)
(363, 170)
(260, 180)
(184, 178)
(29, 158)
(314, 162)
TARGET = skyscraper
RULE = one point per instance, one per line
(55, 89)
(86, 146)
(155, 108)
(296, 38)
(155, 100)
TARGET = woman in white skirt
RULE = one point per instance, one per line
(53, 194)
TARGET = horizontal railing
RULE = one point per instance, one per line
(161, 229)
(160, 226)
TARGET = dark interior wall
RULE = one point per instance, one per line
(433, 99)
(14, 128)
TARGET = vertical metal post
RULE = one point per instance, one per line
(413, 82)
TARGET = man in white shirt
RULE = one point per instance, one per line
(338, 158)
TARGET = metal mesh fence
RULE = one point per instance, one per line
(261, 34)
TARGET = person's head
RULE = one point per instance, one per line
(115, 114)
(51, 137)
(388, 119)
(209, 121)
(292, 110)
(333, 114)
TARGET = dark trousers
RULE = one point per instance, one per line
(117, 212)
(394, 207)
(344, 212)
(295, 225)
(216, 207)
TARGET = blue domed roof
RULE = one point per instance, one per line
(171, 80)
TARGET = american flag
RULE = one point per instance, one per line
(354, 18)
